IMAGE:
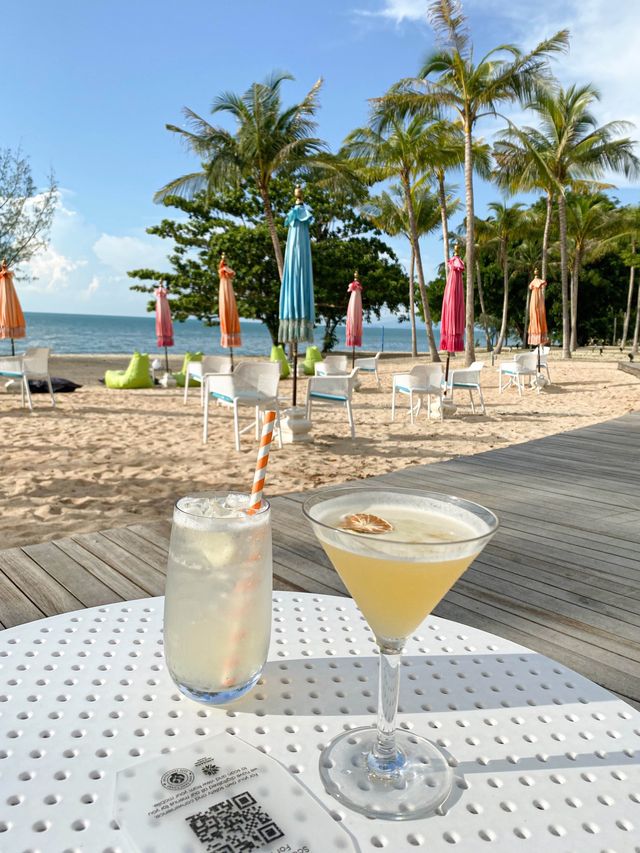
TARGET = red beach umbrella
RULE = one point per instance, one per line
(354, 317)
(12, 324)
(164, 325)
(538, 332)
(227, 309)
(453, 314)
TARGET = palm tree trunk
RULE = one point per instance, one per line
(505, 300)
(483, 313)
(564, 278)
(469, 350)
(415, 245)
(575, 277)
(627, 313)
(545, 236)
(442, 200)
(412, 304)
(634, 347)
(271, 225)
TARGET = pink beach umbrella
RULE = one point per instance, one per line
(453, 320)
(354, 317)
(164, 325)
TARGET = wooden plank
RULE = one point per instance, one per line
(125, 589)
(136, 570)
(15, 607)
(142, 548)
(45, 592)
(85, 586)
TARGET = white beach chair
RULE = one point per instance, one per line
(469, 378)
(369, 364)
(252, 384)
(34, 364)
(334, 391)
(210, 364)
(332, 365)
(423, 380)
(523, 366)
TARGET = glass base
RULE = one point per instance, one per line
(219, 697)
(421, 783)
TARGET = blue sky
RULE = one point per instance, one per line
(93, 84)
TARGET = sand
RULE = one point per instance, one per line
(109, 458)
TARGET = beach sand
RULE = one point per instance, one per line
(109, 458)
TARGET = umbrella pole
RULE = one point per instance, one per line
(13, 347)
(353, 357)
(166, 358)
(446, 374)
(294, 347)
(538, 358)
(231, 354)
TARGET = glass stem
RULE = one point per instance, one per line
(385, 758)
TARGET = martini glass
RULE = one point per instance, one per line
(398, 552)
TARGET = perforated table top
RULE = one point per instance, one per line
(544, 758)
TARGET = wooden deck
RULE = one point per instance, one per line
(562, 575)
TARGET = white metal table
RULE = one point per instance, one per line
(543, 757)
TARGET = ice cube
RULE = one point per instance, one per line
(237, 501)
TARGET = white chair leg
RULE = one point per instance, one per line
(377, 376)
(22, 392)
(186, 389)
(205, 427)
(236, 424)
(28, 393)
(520, 385)
(473, 408)
(277, 424)
(484, 410)
(350, 418)
(53, 399)
(411, 406)
(546, 367)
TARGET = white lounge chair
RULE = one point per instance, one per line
(210, 364)
(332, 365)
(34, 364)
(423, 380)
(544, 360)
(369, 365)
(469, 378)
(252, 384)
(517, 371)
(334, 391)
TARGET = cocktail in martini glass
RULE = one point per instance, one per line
(398, 552)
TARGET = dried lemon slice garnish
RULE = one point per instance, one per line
(364, 522)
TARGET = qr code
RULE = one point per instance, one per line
(236, 825)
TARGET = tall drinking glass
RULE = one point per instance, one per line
(217, 612)
(398, 552)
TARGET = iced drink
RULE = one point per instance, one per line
(217, 617)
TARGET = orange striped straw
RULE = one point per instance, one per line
(262, 461)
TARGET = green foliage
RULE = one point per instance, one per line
(232, 222)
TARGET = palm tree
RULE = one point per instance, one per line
(568, 147)
(632, 227)
(388, 212)
(268, 140)
(591, 225)
(452, 79)
(390, 147)
(504, 223)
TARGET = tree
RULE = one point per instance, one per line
(504, 224)
(451, 79)
(233, 222)
(591, 225)
(631, 218)
(570, 146)
(390, 147)
(268, 141)
(26, 212)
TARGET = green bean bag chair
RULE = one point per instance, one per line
(135, 376)
(278, 354)
(311, 356)
(179, 377)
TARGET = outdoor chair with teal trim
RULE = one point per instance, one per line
(311, 356)
(278, 355)
(180, 377)
(333, 391)
(137, 375)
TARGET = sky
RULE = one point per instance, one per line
(89, 87)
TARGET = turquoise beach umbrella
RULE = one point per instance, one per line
(297, 309)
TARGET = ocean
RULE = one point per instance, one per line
(89, 333)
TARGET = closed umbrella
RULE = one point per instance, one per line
(452, 324)
(164, 325)
(12, 324)
(297, 311)
(354, 318)
(538, 333)
(227, 309)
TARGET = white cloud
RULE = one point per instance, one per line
(92, 288)
(126, 253)
(402, 10)
(50, 271)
